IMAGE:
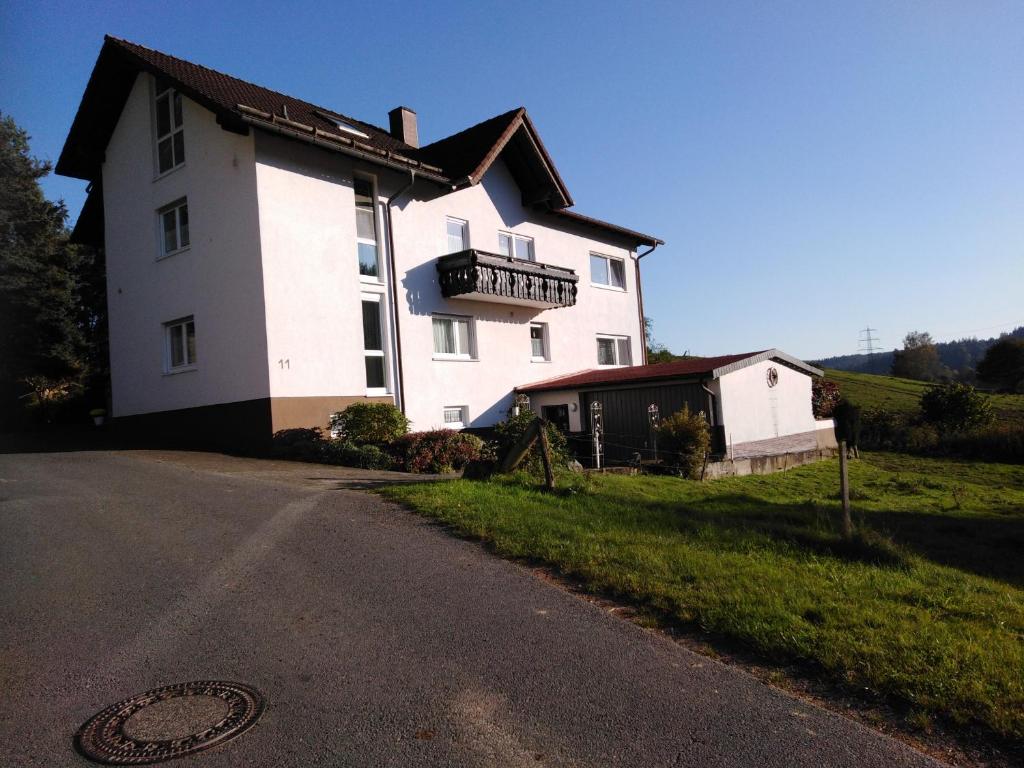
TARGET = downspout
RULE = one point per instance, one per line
(640, 298)
(394, 289)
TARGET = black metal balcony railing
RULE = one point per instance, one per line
(473, 274)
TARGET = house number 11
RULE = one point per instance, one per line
(284, 363)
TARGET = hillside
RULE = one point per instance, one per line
(958, 356)
(902, 395)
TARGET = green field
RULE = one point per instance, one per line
(902, 395)
(925, 606)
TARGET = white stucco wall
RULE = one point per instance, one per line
(503, 361)
(217, 280)
(312, 284)
(751, 410)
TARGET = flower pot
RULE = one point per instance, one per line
(98, 420)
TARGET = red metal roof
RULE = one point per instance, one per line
(693, 367)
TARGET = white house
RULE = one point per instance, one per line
(270, 262)
(758, 403)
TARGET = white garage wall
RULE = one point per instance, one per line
(751, 410)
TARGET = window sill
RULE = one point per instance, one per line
(455, 359)
(183, 369)
(168, 172)
(377, 393)
(168, 255)
(539, 360)
(607, 287)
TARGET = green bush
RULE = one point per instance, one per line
(297, 444)
(438, 451)
(955, 407)
(687, 438)
(508, 432)
(349, 454)
(370, 423)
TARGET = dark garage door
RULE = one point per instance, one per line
(626, 425)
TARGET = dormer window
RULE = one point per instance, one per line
(170, 133)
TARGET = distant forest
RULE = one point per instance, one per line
(961, 357)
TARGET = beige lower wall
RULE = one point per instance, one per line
(296, 412)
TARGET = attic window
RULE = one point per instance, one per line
(170, 136)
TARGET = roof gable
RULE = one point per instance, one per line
(467, 155)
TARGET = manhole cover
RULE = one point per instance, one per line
(169, 722)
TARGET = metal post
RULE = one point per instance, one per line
(653, 417)
(844, 489)
(596, 429)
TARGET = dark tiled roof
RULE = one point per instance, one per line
(458, 159)
(679, 369)
(462, 153)
(227, 92)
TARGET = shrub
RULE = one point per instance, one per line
(687, 437)
(349, 454)
(298, 444)
(438, 451)
(824, 397)
(370, 423)
(956, 407)
(881, 429)
(508, 432)
(849, 425)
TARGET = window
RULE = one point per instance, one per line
(604, 270)
(170, 136)
(614, 350)
(373, 346)
(180, 344)
(538, 342)
(516, 245)
(458, 235)
(452, 337)
(174, 228)
(454, 416)
(366, 229)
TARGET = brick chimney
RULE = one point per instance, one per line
(403, 126)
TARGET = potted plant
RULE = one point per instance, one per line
(98, 415)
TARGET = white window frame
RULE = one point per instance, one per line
(169, 329)
(174, 207)
(465, 233)
(463, 417)
(616, 340)
(175, 129)
(609, 286)
(378, 299)
(460, 354)
(512, 239)
(545, 341)
(372, 181)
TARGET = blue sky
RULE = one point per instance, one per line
(813, 167)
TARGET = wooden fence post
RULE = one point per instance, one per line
(545, 454)
(844, 489)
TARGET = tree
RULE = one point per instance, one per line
(43, 345)
(658, 353)
(956, 407)
(919, 359)
(1003, 365)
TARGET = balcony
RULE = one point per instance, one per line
(482, 276)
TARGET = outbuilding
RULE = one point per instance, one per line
(757, 404)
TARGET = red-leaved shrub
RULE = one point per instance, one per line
(438, 451)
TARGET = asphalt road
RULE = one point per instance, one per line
(378, 639)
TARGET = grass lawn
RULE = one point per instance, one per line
(902, 395)
(926, 607)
